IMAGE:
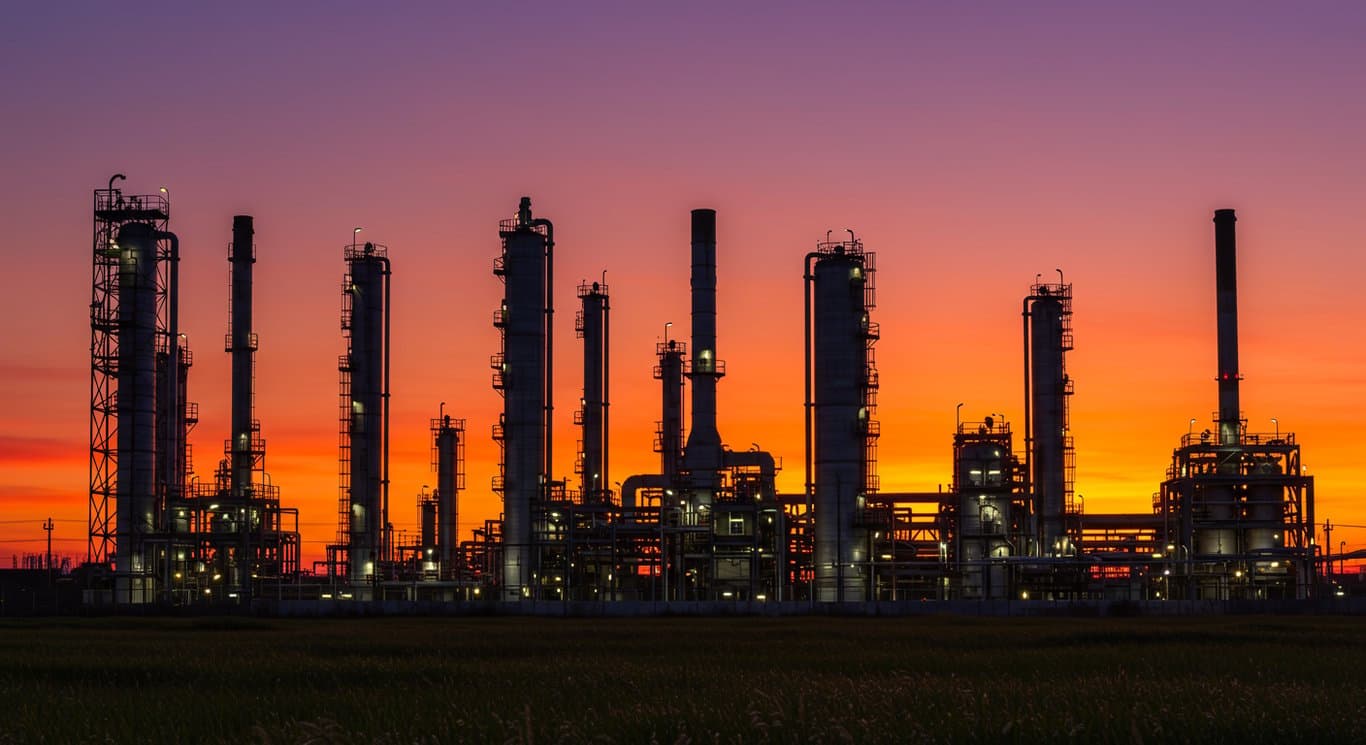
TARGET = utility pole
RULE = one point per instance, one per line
(48, 526)
(1328, 546)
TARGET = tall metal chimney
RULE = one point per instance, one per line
(242, 346)
(702, 456)
(1226, 283)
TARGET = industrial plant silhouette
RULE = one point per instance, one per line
(1231, 522)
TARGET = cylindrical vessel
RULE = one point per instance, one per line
(671, 408)
(447, 491)
(367, 288)
(136, 434)
(1218, 505)
(172, 429)
(524, 402)
(841, 427)
(1265, 509)
(594, 466)
(429, 521)
(1048, 388)
(982, 543)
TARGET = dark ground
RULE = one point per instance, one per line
(1210, 679)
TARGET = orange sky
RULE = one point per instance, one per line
(970, 152)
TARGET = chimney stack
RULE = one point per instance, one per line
(1226, 273)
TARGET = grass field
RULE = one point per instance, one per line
(1244, 680)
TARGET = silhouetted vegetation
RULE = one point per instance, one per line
(756, 680)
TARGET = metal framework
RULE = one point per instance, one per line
(1233, 519)
(364, 534)
(1239, 518)
(112, 210)
(1050, 454)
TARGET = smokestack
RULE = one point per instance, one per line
(702, 456)
(242, 346)
(1226, 283)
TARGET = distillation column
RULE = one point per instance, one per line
(593, 329)
(525, 267)
(839, 359)
(450, 476)
(137, 394)
(702, 455)
(1047, 317)
(367, 436)
(669, 373)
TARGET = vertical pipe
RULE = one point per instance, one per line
(1035, 529)
(808, 278)
(606, 386)
(1226, 284)
(175, 412)
(548, 358)
(175, 417)
(385, 527)
(241, 345)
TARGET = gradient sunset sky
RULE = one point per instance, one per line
(971, 145)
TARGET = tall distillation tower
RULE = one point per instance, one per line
(841, 462)
(1048, 389)
(133, 312)
(592, 325)
(522, 373)
(364, 458)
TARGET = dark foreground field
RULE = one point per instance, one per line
(684, 680)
